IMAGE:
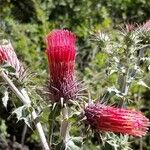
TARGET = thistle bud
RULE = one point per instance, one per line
(118, 120)
(61, 54)
(8, 55)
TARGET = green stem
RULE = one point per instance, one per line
(52, 117)
(106, 97)
(64, 130)
(124, 89)
(124, 86)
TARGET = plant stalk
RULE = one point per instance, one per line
(52, 117)
(64, 130)
(23, 134)
(26, 101)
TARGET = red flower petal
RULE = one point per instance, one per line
(8, 54)
(61, 54)
(119, 120)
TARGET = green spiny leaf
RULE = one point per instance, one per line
(22, 113)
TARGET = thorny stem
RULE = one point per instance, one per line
(23, 134)
(52, 117)
(26, 100)
(14, 89)
(106, 97)
(41, 132)
(64, 130)
(141, 144)
(124, 85)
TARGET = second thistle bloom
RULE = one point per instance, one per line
(8, 55)
(61, 54)
(118, 120)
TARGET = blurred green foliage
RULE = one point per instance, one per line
(27, 22)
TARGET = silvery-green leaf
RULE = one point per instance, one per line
(143, 84)
(18, 111)
(70, 145)
(145, 59)
(3, 128)
(77, 140)
(112, 71)
(138, 69)
(27, 121)
(149, 67)
(116, 59)
(113, 89)
(22, 114)
(9, 68)
(5, 98)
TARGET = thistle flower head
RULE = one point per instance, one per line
(8, 55)
(61, 54)
(118, 120)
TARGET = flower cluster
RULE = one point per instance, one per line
(61, 54)
(8, 55)
(118, 120)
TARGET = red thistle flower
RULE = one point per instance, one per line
(119, 120)
(7, 54)
(61, 54)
